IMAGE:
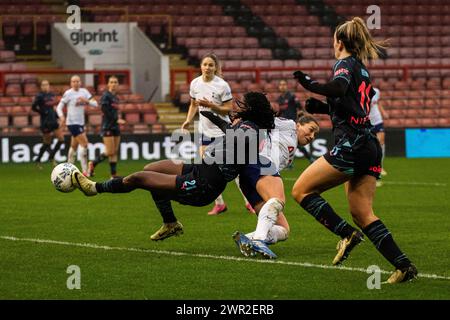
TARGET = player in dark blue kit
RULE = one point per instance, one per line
(110, 128)
(44, 103)
(356, 157)
(196, 184)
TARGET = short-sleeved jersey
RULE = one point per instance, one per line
(375, 114)
(234, 150)
(350, 113)
(110, 107)
(217, 91)
(281, 146)
(75, 110)
(44, 103)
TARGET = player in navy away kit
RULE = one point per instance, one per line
(110, 128)
(356, 157)
(194, 184)
(44, 103)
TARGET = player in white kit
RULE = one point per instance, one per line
(76, 99)
(209, 92)
(376, 116)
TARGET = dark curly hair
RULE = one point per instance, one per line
(257, 109)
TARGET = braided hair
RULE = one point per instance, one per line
(257, 109)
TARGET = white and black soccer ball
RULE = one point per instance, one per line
(61, 177)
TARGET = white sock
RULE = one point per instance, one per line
(71, 157)
(219, 200)
(239, 187)
(267, 218)
(84, 159)
(383, 151)
(276, 233)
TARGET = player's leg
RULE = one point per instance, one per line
(171, 226)
(108, 142)
(248, 206)
(115, 157)
(219, 204)
(381, 138)
(360, 194)
(46, 142)
(165, 166)
(317, 178)
(72, 155)
(83, 142)
(60, 136)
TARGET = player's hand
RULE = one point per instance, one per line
(185, 125)
(82, 100)
(302, 78)
(206, 103)
(313, 105)
(121, 121)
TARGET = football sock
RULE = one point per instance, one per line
(239, 188)
(276, 233)
(385, 244)
(44, 148)
(113, 168)
(84, 160)
(115, 185)
(319, 208)
(99, 158)
(55, 150)
(165, 207)
(219, 201)
(72, 155)
(267, 218)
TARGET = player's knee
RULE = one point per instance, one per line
(298, 194)
(276, 203)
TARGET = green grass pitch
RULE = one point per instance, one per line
(108, 238)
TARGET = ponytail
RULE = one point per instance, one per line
(357, 40)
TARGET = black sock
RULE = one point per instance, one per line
(165, 207)
(55, 150)
(317, 206)
(115, 185)
(44, 148)
(99, 158)
(112, 167)
(306, 154)
(385, 244)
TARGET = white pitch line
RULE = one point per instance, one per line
(207, 256)
(405, 183)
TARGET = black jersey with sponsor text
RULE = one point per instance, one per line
(350, 113)
(110, 109)
(44, 103)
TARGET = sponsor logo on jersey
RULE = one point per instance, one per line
(341, 71)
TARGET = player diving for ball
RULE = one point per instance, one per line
(262, 184)
(196, 184)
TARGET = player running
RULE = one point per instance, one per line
(195, 184)
(376, 116)
(76, 98)
(44, 103)
(110, 128)
(263, 186)
(356, 157)
(209, 92)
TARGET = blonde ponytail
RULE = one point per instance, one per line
(357, 39)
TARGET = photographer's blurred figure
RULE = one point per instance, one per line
(289, 107)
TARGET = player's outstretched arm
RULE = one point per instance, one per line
(315, 106)
(222, 124)
(334, 88)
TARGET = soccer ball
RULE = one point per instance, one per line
(61, 177)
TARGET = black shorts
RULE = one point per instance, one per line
(248, 178)
(75, 129)
(378, 128)
(364, 159)
(199, 185)
(49, 127)
(110, 132)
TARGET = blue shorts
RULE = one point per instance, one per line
(378, 128)
(75, 129)
(248, 177)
